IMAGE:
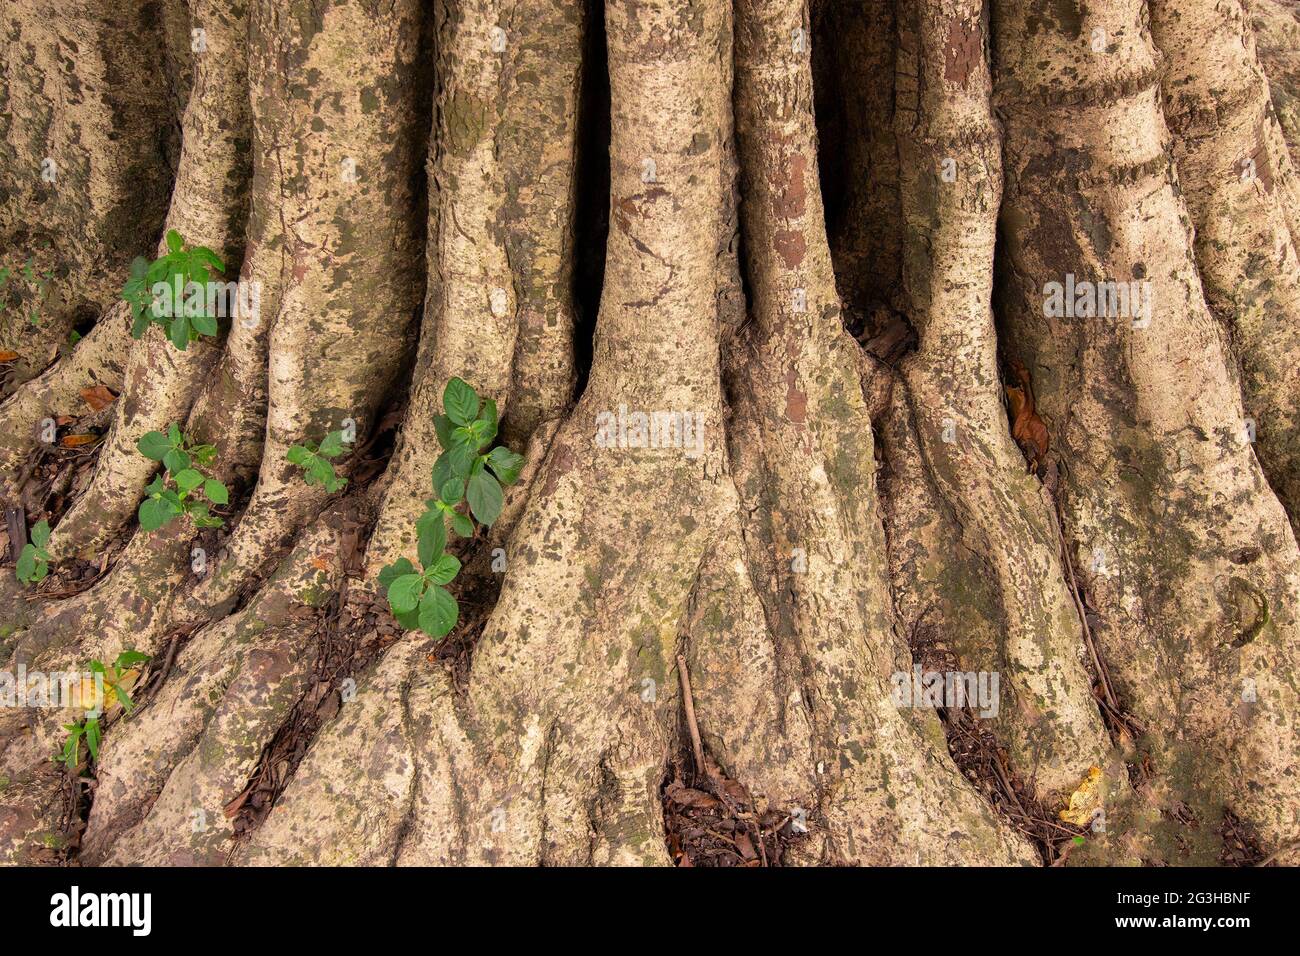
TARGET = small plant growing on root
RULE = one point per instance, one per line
(36, 289)
(159, 292)
(117, 681)
(34, 560)
(463, 473)
(177, 490)
(316, 461)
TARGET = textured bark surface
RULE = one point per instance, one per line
(826, 233)
(87, 156)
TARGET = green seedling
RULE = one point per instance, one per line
(417, 598)
(182, 314)
(34, 560)
(117, 679)
(464, 469)
(462, 473)
(177, 490)
(315, 461)
(35, 293)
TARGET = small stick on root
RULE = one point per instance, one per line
(696, 745)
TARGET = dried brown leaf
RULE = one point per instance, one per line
(98, 398)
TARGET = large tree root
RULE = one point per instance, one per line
(1244, 197)
(209, 197)
(1184, 552)
(85, 159)
(1143, 587)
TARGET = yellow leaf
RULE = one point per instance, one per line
(1085, 801)
(88, 696)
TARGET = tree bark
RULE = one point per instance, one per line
(834, 257)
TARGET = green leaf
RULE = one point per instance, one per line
(206, 255)
(444, 569)
(453, 489)
(460, 402)
(154, 513)
(404, 593)
(133, 290)
(93, 737)
(204, 324)
(485, 498)
(486, 426)
(438, 612)
(174, 435)
(176, 461)
(216, 492)
(159, 271)
(204, 454)
(154, 446)
(442, 469)
(432, 532)
(179, 333)
(462, 525)
(505, 464)
(174, 241)
(141, 323)
(26, 569)
(139, 269)
(129, 658)
(331, 445)
(188, 479)
(72, 746)
(461, 457)
(443, 426)
(297, 454)
(319, 469)
(41, 533)
(409, 619)
(392, 572)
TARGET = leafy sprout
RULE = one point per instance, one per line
(176, 491)
(464, 472)
(178, 268)
(34, 560)
(315, 461)
(117, 680)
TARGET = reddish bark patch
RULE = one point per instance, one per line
(792, 193)
(790, 246)
(562, 463)
(796, 401)
(625, 209)
(962, 52)
(299, 271)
